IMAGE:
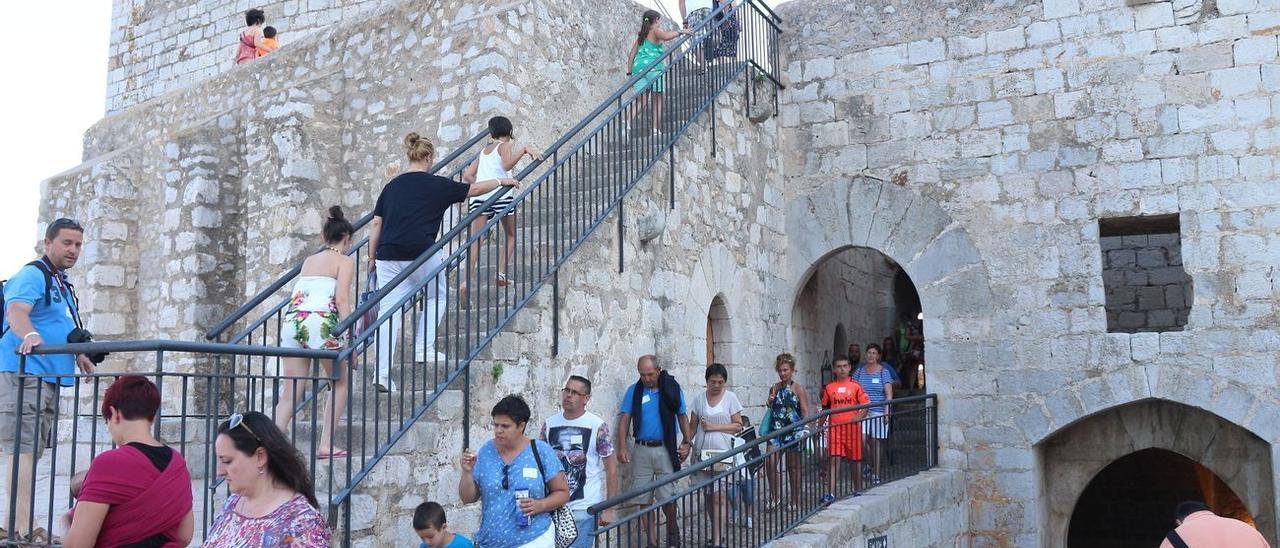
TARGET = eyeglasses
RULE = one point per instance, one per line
(566, 390)
(237, 420)
(506, 472)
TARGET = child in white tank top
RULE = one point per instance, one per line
(496, 161)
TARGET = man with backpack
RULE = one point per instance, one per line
(39, 307)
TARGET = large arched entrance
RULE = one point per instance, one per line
(1113, 479)
(863, 297)
(1129, 502)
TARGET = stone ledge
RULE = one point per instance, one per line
(934, 515)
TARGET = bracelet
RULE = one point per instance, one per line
(24, 337)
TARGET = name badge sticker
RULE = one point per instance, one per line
(841, 389)
(645, 399)
(875, 380)
(530, 473)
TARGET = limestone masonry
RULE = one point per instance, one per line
(974, 144)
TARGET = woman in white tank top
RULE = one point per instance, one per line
(496, 161)
(320, 297)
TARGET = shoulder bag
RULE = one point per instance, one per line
(562, 517)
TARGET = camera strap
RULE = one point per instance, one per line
(65, 288)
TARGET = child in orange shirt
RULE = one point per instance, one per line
(844, 429)
(269, 42)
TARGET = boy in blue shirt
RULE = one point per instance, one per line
(432, 527)
(39, 308)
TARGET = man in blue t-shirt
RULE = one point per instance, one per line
(39, 308)
(659, 415)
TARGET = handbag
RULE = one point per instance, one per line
(562, 517)
(766, 422)
(370, 316)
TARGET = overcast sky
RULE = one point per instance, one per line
(57, 90)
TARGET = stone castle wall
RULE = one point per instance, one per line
(1007, 131)
(162, 45)
(974, 144)
(226, 181)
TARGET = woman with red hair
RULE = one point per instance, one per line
(139, 492)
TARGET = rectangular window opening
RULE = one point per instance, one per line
(1146, 287)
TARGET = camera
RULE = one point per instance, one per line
(79, 335)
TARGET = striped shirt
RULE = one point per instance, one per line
(874, 385)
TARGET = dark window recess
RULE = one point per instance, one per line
(1146, 286)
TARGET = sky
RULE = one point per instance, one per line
(59, 91)
(56, 90)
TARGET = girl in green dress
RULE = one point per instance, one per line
(648, 47)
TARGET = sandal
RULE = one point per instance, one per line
(503, 280)
(41, 537)
(337, 454)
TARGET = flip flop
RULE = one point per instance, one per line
(334, 455)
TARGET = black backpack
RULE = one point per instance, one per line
(48, 288)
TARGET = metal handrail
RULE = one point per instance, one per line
(346, 323)
(814, 480)
(194, 347)
(746, 447)
(284, 279)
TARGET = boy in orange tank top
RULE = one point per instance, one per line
(844, 429)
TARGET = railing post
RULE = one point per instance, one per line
(466, 408)
(622, 243)
(671, 178)
(711, 110)
(159, 389)
(555, 313)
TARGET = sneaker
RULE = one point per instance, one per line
(828, 498)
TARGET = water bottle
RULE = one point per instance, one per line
(522, 520)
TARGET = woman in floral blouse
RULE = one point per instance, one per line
(321, 296)
(272, 502)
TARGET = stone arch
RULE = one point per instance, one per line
(1072, 456)
(716, 281)
(840, 341)
(913, 230)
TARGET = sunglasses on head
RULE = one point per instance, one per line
(63, 222)
(506, 472)
(236, 421)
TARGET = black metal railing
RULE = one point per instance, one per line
(265, 328)
(762, 489)
(200, 384)
(431, 327)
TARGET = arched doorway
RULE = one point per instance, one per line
(863, 297)
(1131, 501)
(719, 333)
(1138, 461)
(840, 345)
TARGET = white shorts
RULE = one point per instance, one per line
(876, 426)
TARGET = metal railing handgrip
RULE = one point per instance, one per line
(270, 290)
(763, 440)
(152, 345)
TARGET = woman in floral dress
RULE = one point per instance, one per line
(788, 405)
(272, 503)
(321, 296)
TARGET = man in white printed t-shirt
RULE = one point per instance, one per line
(585, 447)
